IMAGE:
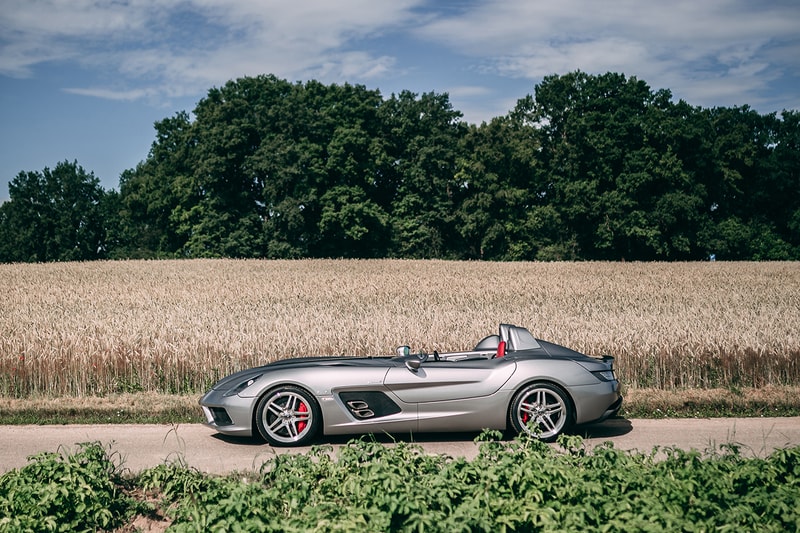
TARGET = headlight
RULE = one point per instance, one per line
(242, 386)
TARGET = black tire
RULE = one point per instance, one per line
(288, 416)
(541, 410)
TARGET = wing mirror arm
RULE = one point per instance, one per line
(413, 364)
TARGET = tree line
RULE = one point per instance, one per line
(589, 167)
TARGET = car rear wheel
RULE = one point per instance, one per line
(288, 416)
(542, 410)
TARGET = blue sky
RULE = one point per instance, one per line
(86, 79)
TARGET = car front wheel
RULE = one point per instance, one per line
(541, 410)
(288, 416)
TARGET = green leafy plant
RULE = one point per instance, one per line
(518, 485)
(512, 485)
(79, 491)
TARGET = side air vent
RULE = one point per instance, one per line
(365, 405)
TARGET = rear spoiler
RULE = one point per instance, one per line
(608, 359)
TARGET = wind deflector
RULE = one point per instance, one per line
(489, 343)
(518, 338)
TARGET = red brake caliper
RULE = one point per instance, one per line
(302, 424)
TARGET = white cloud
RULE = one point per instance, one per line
(74, 18)
(470, 91)
(688, 46)
(147, 41)
(110, 94)
(714, 52)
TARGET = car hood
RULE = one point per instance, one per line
(237, 378)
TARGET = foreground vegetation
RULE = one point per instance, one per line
(520, 485)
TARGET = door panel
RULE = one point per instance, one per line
(447, 380)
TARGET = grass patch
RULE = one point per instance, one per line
(130, 408)
(153, 408)
(710, 403)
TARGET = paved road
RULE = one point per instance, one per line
(144, 446)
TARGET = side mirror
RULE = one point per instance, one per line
(413, 364)
(403, 351)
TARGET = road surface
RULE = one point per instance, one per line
(143, 446)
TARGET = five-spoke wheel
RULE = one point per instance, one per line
(288, 416)
(542, 410)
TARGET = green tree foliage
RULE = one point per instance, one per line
(622, 189)
(255, 173)
(351, 225)
(420, 142)
(505, 210)
(587, 167)
(53, 215)
(785, 187)
(148, 202)
(753, 184)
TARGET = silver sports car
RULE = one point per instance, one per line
(508, 381)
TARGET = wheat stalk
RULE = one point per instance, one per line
(87, 329)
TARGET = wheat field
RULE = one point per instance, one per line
(91, 329)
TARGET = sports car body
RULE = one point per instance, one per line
(509, 381)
